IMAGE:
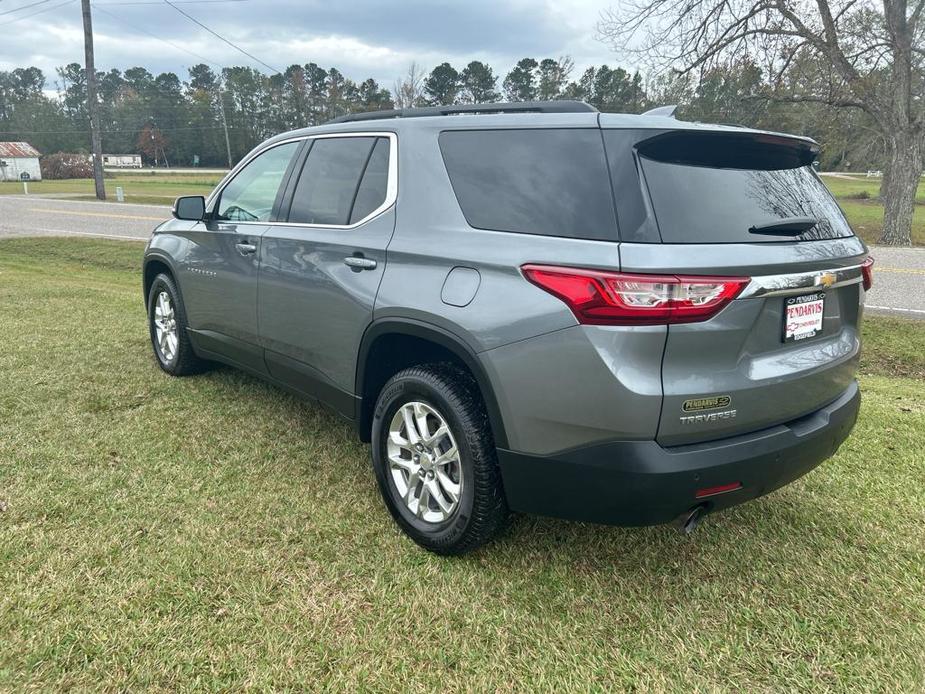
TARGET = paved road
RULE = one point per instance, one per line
(899, 281)
(899, 273)
(22, 215)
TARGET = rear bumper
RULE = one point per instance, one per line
(643, 483)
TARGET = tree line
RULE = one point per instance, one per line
(177, 122)
(184, 122)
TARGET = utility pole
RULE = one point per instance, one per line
(221, 110)
(96, 145)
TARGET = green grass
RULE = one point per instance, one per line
(866, 218)
(159, 189)
(847, 185)
(214, 533)
(894, 347)
(866, 214)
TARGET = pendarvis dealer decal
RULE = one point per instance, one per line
(716, 402)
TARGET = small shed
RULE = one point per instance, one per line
(19, 161)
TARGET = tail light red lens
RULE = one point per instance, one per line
(597, 297)
(719, 489)
(867, 270)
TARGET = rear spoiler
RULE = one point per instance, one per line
(667, 111)
(730, 150)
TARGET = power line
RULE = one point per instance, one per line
(155, 36)
(219, 36)
(109, 132)
(221, 104)
(178, 2)
(32, 14)
(24, 7)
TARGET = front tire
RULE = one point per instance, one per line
(167, 326)
(435, 459)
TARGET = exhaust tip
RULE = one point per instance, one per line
(690, 520)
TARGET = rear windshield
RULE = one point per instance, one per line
(736, 191)
(552, 182)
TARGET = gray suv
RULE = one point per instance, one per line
(532, 307)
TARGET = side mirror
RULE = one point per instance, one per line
(190, 207)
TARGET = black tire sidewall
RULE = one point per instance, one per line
(164, 283)
(397, 392)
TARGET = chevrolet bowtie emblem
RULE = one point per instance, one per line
(826, 279)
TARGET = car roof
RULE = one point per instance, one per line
(524, 120)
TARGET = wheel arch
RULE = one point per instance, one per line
(431, 341)
(153, 265)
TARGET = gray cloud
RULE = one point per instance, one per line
(361, 37)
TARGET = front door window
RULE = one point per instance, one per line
(250, 196)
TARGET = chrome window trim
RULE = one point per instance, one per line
(798, 282)
(391, 190)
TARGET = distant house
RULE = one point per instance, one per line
(19, 161)
(122, 161)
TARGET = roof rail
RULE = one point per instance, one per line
(563, 106)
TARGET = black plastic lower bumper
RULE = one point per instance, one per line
(643, 483)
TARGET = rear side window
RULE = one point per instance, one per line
(737, 189)
(374, 185)
(333, 178)
(550, 182)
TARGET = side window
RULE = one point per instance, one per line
(250, 195)
(374, 186)
(332, 183)
(549, 182)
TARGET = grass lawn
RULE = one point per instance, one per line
(851, 185)
(154, 189)
(866, 215)
(215, 533)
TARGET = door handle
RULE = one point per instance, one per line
(245, 248)
(355, 262)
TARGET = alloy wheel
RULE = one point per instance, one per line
(165, 327)
(424, 462)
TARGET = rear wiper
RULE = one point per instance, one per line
(791, 226)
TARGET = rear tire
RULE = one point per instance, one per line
(167, 327)
(425, 401)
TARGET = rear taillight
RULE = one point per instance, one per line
(718, 489)
(867, 270)
(598, 297)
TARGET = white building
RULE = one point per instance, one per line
(19, 161)
(122, 161)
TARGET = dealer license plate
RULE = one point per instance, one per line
(803, 316)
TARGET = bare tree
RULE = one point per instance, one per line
(408, 91)
(860, 54)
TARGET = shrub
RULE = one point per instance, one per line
(859, 195)
(66, 165)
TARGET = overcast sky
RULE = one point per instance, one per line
(362, 38)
